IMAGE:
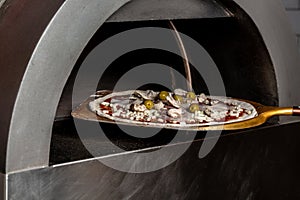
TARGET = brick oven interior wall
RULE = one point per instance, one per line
(293, 12)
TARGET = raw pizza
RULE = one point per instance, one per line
(174, 109)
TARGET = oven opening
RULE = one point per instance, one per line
(235, 47)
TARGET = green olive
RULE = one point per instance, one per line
(194, 107)
(191, 95)
(149, 104)
(163, 95)
(178, 98)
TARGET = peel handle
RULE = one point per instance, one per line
(296, 111)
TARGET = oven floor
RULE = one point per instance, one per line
(67, 145)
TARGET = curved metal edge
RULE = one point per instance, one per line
(147, 9)
(2, 2)
(64, 39)
(273, 24)
(54, 56)
(20, 32)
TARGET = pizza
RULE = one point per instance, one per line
(178, 109)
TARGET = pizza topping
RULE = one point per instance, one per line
(180, 108)
(194, 107)
(172, 101)
(163, 95)
(149, 94)
(105, 103)
(214, 102)
(149, 104)
(180, 92)
(178, 98)
(199, 115)
(201, 98)
(191, 95)
(175, 113)
(249, 112)
(139, 107)
(159, 105)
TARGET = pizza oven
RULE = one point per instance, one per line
(54, 54)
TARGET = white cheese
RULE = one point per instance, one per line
(140, 108)
(201, 98)
(105, 103)
(159, 105)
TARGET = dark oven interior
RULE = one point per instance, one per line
(232, 41)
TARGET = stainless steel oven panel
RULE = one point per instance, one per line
(168, 9)
(64, 39)
(47, 71)
(274, 26)
(257, 164)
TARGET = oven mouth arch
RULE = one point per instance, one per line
(36, 154)
(64, 32)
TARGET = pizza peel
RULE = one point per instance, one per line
(264, 113)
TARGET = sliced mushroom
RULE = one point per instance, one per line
(175, 113)
(180, 92)
(202, 98)
(149, 94)
(136, 101)
(172, 101)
